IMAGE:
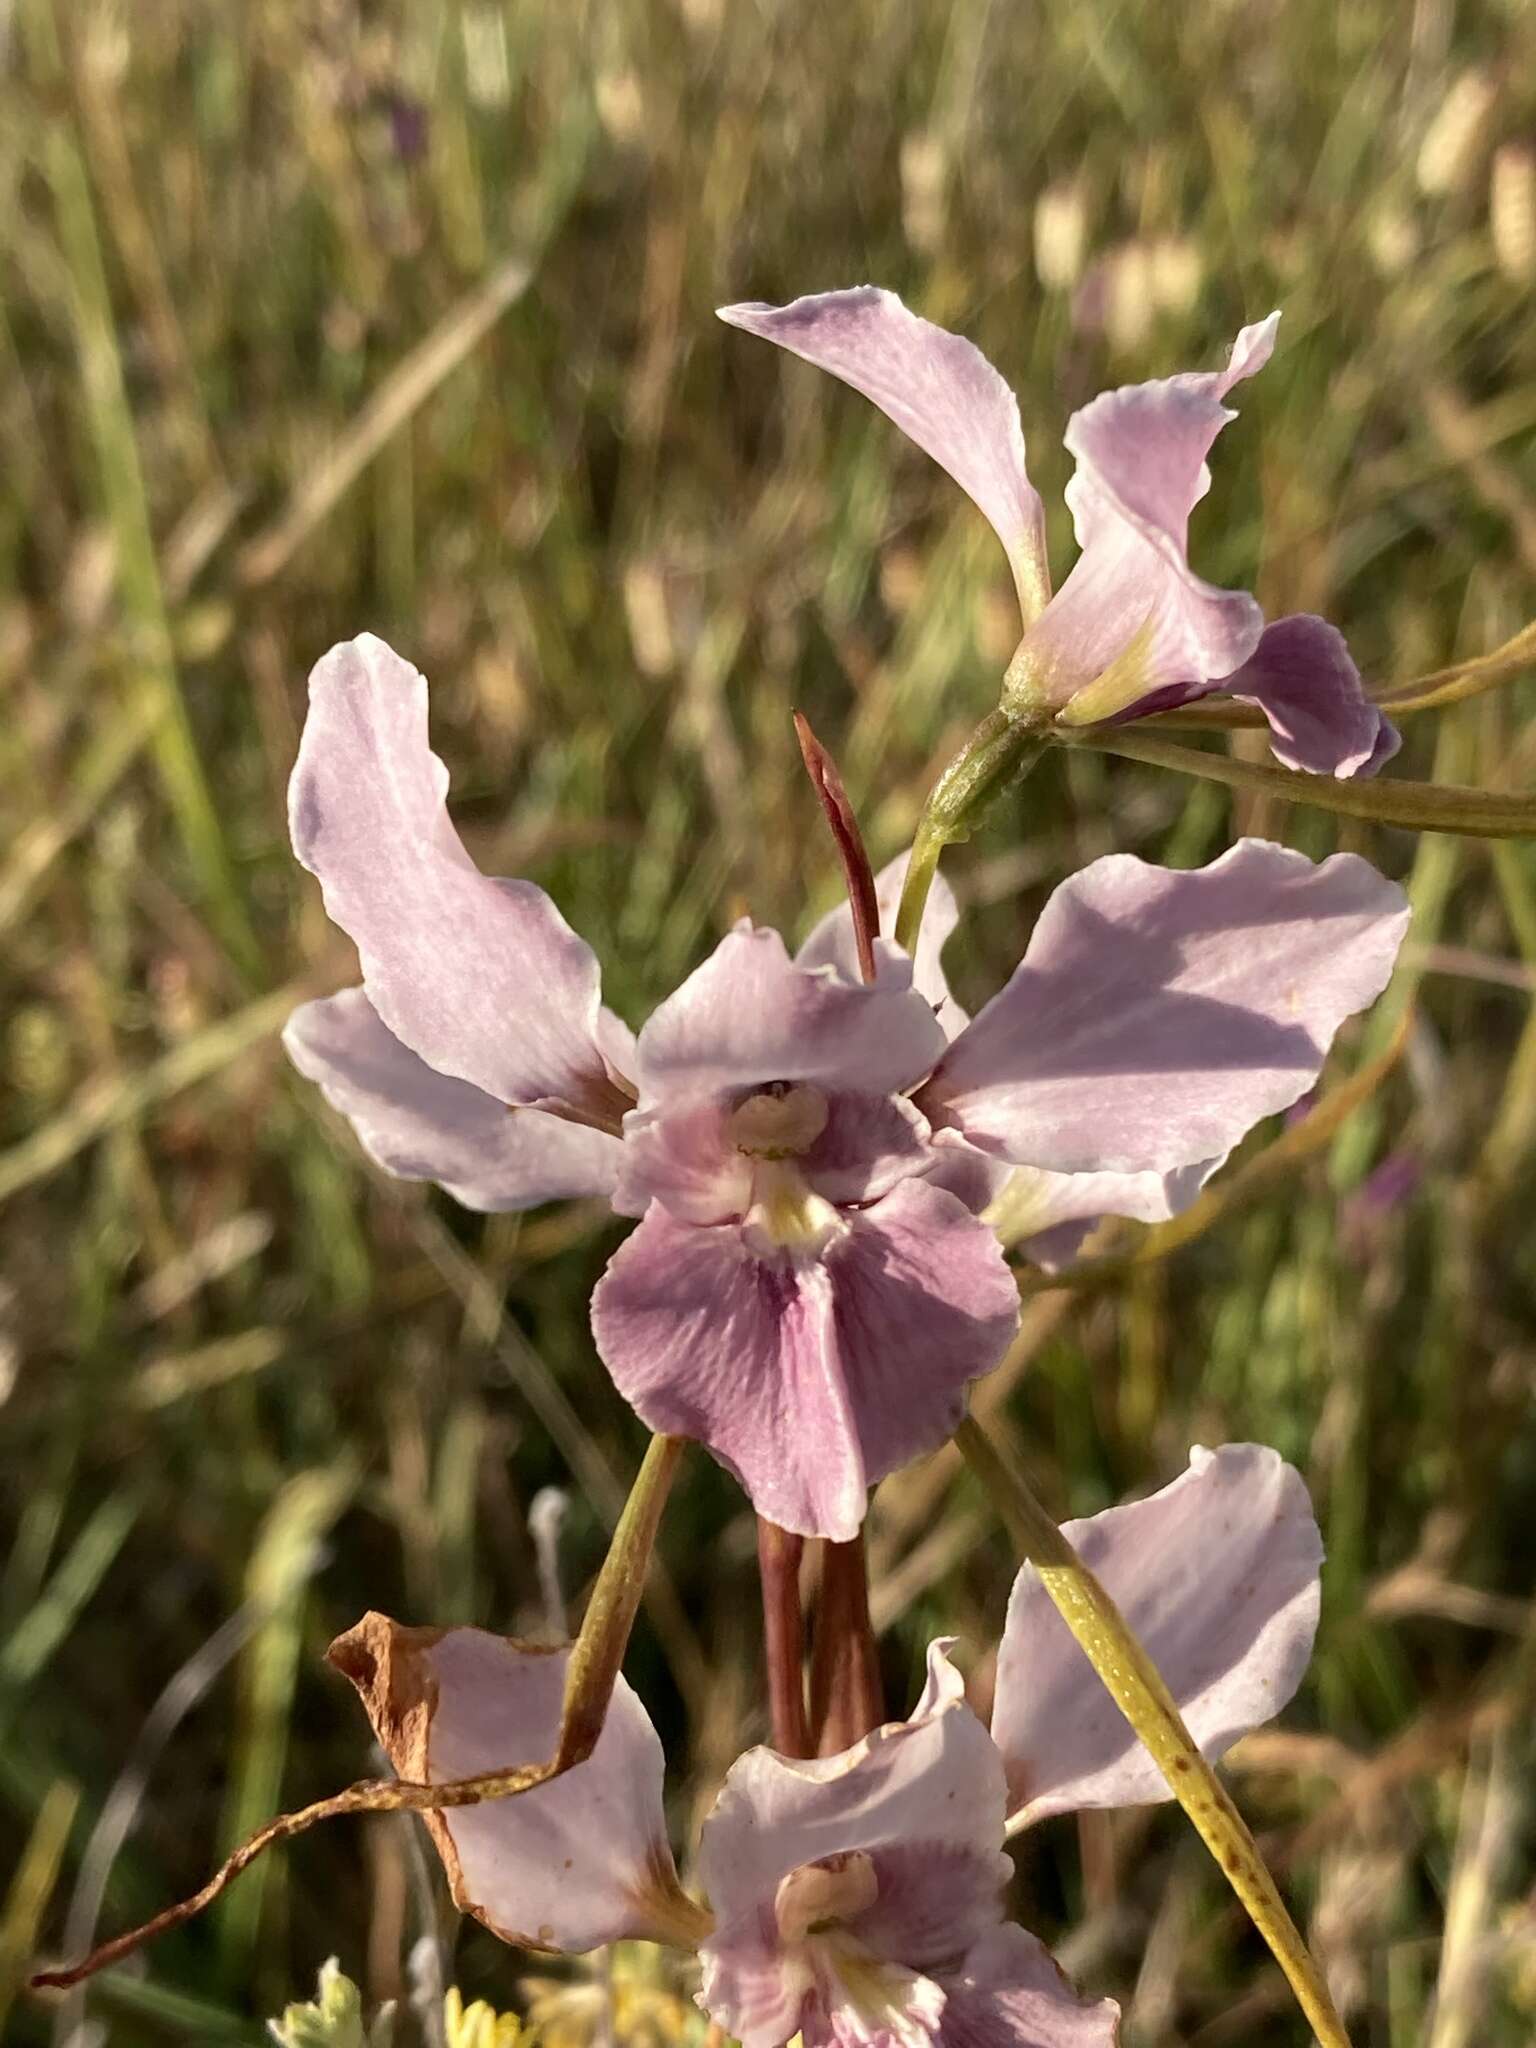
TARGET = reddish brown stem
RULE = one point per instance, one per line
(778, 1563)
(846, 1699)
(860, 876)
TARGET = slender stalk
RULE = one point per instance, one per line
(847, 1701)
(610, 1616)
(1137, 1688)
(998, 754)
(594, 1666)
(1421, 806)
(778, 1564)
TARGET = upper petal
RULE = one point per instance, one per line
(923, 1799)
(1157, 1014)
(1132, 616)
(1218, 1575)
(1141, 449)
(830, 942)
(1304, 681)
(751, 1015)
(483, 979)
(1010, 1993)
(570, 1865)
(810, 1378)
(424, 1125)
(937, 387)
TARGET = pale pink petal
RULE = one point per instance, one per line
(1302, 678)
(423, 1125)
(809, 1378)
(1218, 1576)
(570, 1865)
(1144, 446)
(938, 388)
(830, 942)
(1158, 1014)
(1011, 1994)
(1125, 624)
(869, 1144)
(683, 1157)
(750, 1015)
(1132, 617)
(616, 1042)
(922, 1799)
(483, 979)
(1051, 1214)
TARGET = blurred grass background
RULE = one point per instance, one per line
(320, 315)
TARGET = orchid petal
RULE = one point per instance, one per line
(1009, 1993)
(1158, 1014)
(1217, 1575)
(750, 1015)
(569, 1865)
(937, 387)
(482, 979)
(1302, 678)
(810, 1376)
(922, 1799)
(1132, 617)
(830, 942)
(1051, 1214)
(423, 1125)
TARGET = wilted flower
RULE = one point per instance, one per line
(1132, 630)
(858, 1897)
(810, 1289)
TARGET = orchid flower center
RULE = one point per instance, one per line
(780, 1121)
(867, 1998)
(820, 1896)
(774, 1128)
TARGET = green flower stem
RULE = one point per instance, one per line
(610, 1616)
(1420, 806)
(1137, 1688)
(998, 754)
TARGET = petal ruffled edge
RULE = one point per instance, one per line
(1218, 1574)
(1304, 680)
(482, 979)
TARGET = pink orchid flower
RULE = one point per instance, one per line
(810, 1289)
(858, 1898)
(1132, 630)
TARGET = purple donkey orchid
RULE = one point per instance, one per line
(810, 1288)
(1132, 630)
(857, 1899)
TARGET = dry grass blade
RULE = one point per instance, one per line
(401, 394)
(110, 1100)
(1464, 678)
(40, 842)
